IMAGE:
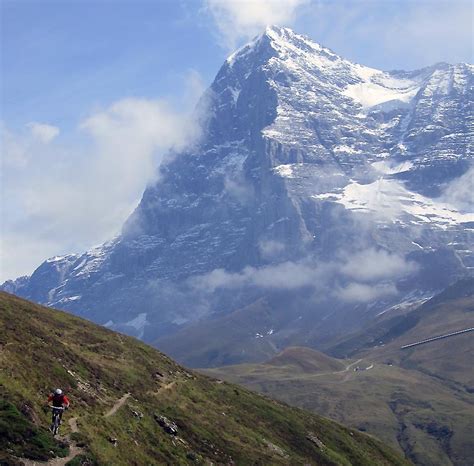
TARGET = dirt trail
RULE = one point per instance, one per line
(74, 450)
(117, 405)
(351, 365)
(73, 424)
(342, 371)
(347, 376)
(168, 386)
(163, 388)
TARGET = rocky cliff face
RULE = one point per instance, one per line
(330, 189)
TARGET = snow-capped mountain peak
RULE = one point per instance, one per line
(306, 159)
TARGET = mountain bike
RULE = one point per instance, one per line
(56, 419)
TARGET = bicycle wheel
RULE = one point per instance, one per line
(56, 424)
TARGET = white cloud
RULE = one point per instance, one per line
(194, 87)
(139, 125)
(43, 132)
(362, 293)
(22, 251)
(372, 275)
(437, 35)
(242, 191)
(237, 20)
(13, 149)
(460, 192)
(271, 248)
(283, 276)
(371, 264)
(65, 197)
(17, 149)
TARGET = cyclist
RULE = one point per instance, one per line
(59, 400)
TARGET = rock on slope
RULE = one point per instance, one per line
(171, 415)
(314, 179)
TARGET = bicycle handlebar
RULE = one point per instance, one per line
(57, 407)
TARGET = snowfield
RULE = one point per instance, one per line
(391, 201)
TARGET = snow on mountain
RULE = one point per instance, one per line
(305, 159)
(391, 201)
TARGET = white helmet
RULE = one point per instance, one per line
(58, 391)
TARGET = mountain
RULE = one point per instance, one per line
(447, 312)
(130, 404)
(449, 360)
(419, 399)
(323, 190)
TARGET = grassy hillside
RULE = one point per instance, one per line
(419, 400)
(305, 360)
(119, 388)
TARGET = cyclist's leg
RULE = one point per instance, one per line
(58, 421)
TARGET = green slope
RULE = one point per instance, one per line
(305, 360)
(420, 400)
(217, 422)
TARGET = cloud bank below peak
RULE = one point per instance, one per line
(363, 276)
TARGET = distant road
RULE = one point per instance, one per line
(447, 335)
(346, 369)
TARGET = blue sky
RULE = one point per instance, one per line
(82, 80)
(62, 58)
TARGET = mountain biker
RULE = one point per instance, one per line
(59, 400)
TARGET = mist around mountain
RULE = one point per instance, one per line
(419, 400)
(319, 194)
(130, 404)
